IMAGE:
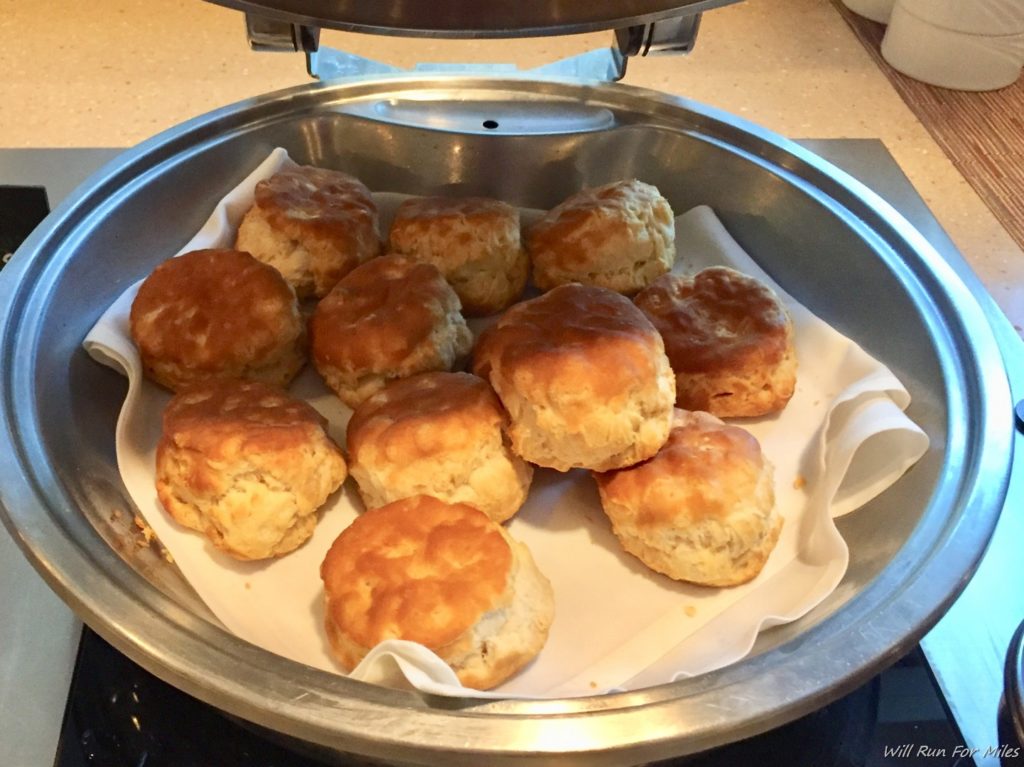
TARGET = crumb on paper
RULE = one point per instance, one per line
(167, 555)
(690, 611)
(147, 532)
(593, 685)
(248, 585)
(800, 482)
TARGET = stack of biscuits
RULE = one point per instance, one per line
(616, 366)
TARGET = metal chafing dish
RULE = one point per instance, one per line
(831, 242)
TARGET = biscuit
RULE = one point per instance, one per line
(387, 319)
(314, 225)
(442, 575)
(729, 340)
(217, 314)
(474, 241)
(702, 510)
(437, 434)
(619, 236)
(584, 377)
(247, 466)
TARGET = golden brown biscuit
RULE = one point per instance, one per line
(729, 340)
(474, 241)
(584, 377)
(314, 225)
(437, 434)
(217, 314)
(619, 236)
(702, 510)
(387, 319)
(442, 575)
(247, 466)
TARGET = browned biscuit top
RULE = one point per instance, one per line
(379, 313)
(426, 415)
(718, 319)
(698, 474)
(322, 201)
(447, 216)
(213, 309)
(416, 569)
(556, 231)
(474, 241)
(228, 418)
(575, 338)
(574, 230)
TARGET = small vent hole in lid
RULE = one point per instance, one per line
(490, 124)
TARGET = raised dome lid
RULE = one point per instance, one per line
(471, 18)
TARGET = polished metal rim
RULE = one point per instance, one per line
(1014, 684)
(875, 627)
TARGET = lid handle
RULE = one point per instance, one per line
(673, 36)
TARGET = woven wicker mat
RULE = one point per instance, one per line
(982, 133)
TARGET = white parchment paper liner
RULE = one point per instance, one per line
(842, 439)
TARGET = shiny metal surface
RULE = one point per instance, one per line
(471, 18)
(1014, 671)
(668, 37)
(38, 634)
(985, 615)
(277, 36)
(832, 243)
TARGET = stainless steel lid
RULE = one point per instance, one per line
(471, 18)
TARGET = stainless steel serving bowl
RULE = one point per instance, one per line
(828, 240)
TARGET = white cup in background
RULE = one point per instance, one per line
(876, 10)
(972, 45)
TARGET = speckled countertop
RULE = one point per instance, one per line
(113, 72)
